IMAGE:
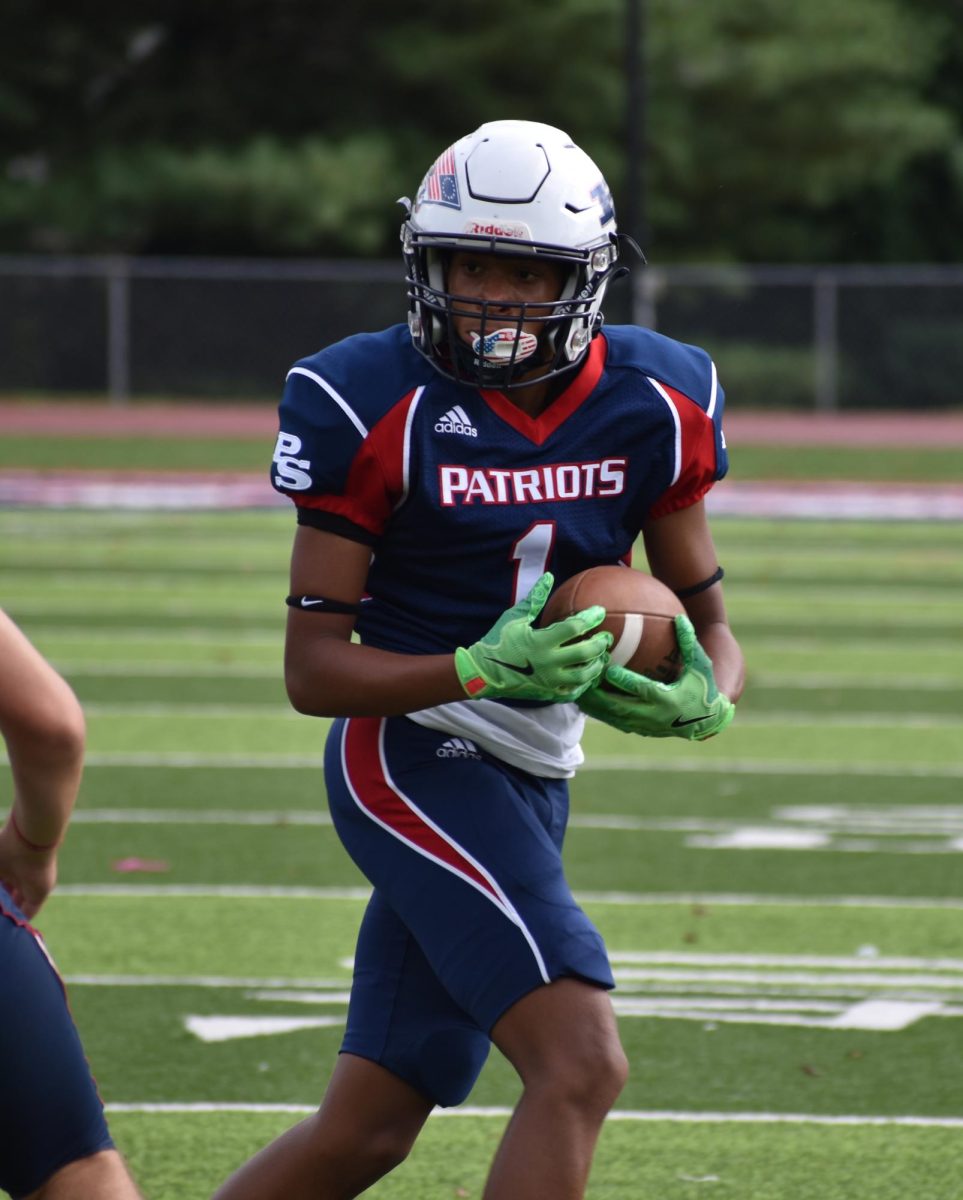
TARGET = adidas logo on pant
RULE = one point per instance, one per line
(456, 420)
(457, 747)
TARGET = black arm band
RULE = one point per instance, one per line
(317, 518)
(696, 588)
(322, 604)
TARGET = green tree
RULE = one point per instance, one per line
(771, 122)
(775, 132)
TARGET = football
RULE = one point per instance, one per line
(640, 614)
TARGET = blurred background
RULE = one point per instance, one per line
(194, 194)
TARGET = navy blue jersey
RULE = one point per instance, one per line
(465, 499)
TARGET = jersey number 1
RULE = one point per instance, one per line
(531, 553)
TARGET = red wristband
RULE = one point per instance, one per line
(26, 841)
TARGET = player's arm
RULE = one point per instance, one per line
(681, 552)
(42, 725)
(328, 674)
(325, 672)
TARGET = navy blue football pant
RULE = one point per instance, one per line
(50, 1113)
(470, 911)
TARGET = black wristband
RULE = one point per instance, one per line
(322, 604)
(696, 588)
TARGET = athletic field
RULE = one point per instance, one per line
(783, 905)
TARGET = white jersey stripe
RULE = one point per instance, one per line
(338, 399)
(677, 421)
(406, 452)
(713, 392)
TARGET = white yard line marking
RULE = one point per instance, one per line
(709, 1007)
(218, 816)
(736, 901)
(849, 720)
(207, 891)
(777, 767)
(197, 712)
(790, 829)
(601, 762)
(880, 1015)
(189, 760)
(789, 979)
(770, 838)
(895, 818)
(229, 1029)
(761, 838)
(868, 960)
(254, 983)
(186, 670)
(782, 1119)
(761, 681)
(503, 1113)
(259, 634)
(306, 997)
(760, 720)
(188, 816)
(868, 992)
(720, 899)
(862, 992)
(928, 820)
(766, 680)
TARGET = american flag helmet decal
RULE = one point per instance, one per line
(441, 182)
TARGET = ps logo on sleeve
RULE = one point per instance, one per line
(292, 473)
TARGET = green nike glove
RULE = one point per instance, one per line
(692, 707)
(516, 661)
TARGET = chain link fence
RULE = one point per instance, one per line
(820, 337)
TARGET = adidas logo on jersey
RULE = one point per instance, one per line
(457, 747)
(456, 420)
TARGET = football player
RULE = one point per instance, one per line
(445, 472)
(54, 1143)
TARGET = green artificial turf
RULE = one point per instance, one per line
(170, 627)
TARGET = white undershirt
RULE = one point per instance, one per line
(543, 741)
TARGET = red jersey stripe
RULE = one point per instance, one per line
(538, 429)
(378, 478)
(695, 470)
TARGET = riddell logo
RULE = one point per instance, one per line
(457, 747)
(496, 229)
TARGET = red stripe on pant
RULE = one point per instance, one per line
(376, 795)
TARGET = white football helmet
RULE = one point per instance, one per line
(511, 187)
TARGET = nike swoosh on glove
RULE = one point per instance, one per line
(692, 707)
(516, 661)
